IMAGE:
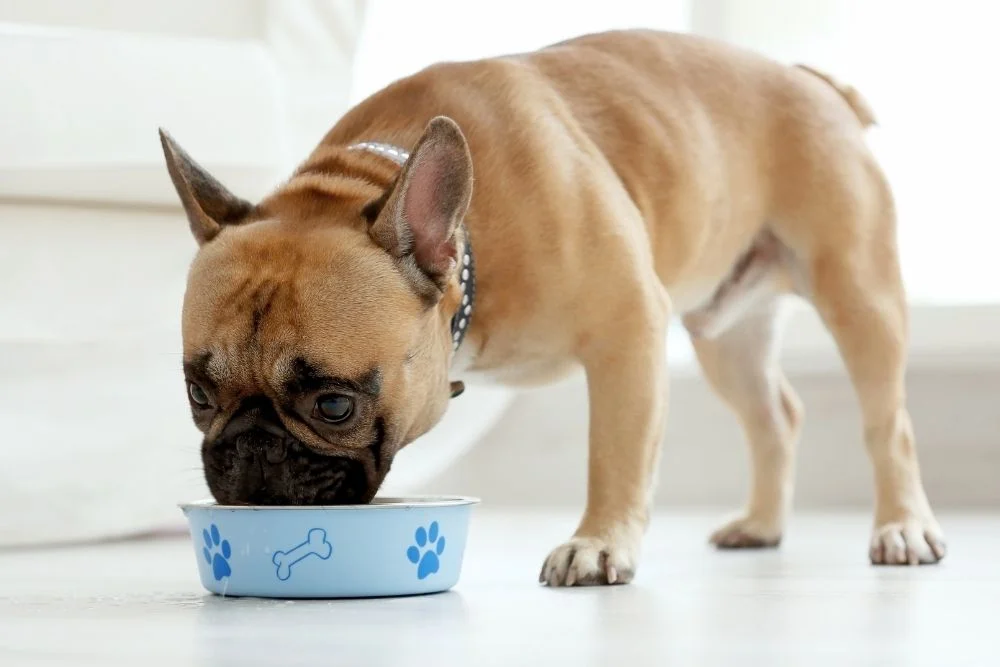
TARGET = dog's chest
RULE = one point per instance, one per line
(526, 367)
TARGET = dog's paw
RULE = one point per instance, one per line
(588, 561)
(909, 542)
(747, 532)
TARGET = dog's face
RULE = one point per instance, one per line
(316, 326)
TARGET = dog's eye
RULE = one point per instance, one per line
(334, 408)
(198, 395)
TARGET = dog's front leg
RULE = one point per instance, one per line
(625, 365)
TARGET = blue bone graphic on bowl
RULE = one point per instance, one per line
(315, 544)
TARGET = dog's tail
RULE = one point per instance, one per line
(853, 98)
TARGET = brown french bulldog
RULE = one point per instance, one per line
(524, 216)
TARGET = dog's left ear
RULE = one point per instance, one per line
(417, 224)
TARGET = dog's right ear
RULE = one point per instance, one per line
(208, 204)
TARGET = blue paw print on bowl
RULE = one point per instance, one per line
(425, 554)
(217, 552)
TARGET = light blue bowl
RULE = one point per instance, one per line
(394, 546)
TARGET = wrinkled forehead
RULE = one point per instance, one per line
(256, 303)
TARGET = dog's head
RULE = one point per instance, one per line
(316, 323)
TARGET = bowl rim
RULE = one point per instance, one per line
(379, 503)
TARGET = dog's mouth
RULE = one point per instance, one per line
(261, 468)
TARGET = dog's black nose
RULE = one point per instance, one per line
(254, 413)
(256, 460)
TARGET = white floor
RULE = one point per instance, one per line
(813, 602)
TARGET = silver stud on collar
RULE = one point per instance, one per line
(394, 153)
(464, 315)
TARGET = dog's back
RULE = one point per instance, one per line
(710, 141)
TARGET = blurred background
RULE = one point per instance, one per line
(95, 435)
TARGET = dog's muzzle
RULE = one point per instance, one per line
(256, 461)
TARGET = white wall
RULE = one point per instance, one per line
(923, 66)
(97, 439)
(218, 19)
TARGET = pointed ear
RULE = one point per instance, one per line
(425, 207)
(208, 204)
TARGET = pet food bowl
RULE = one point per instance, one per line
(394, 546)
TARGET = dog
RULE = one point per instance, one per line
(524, 216)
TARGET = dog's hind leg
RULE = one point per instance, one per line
(741, 365)
(856, 286)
